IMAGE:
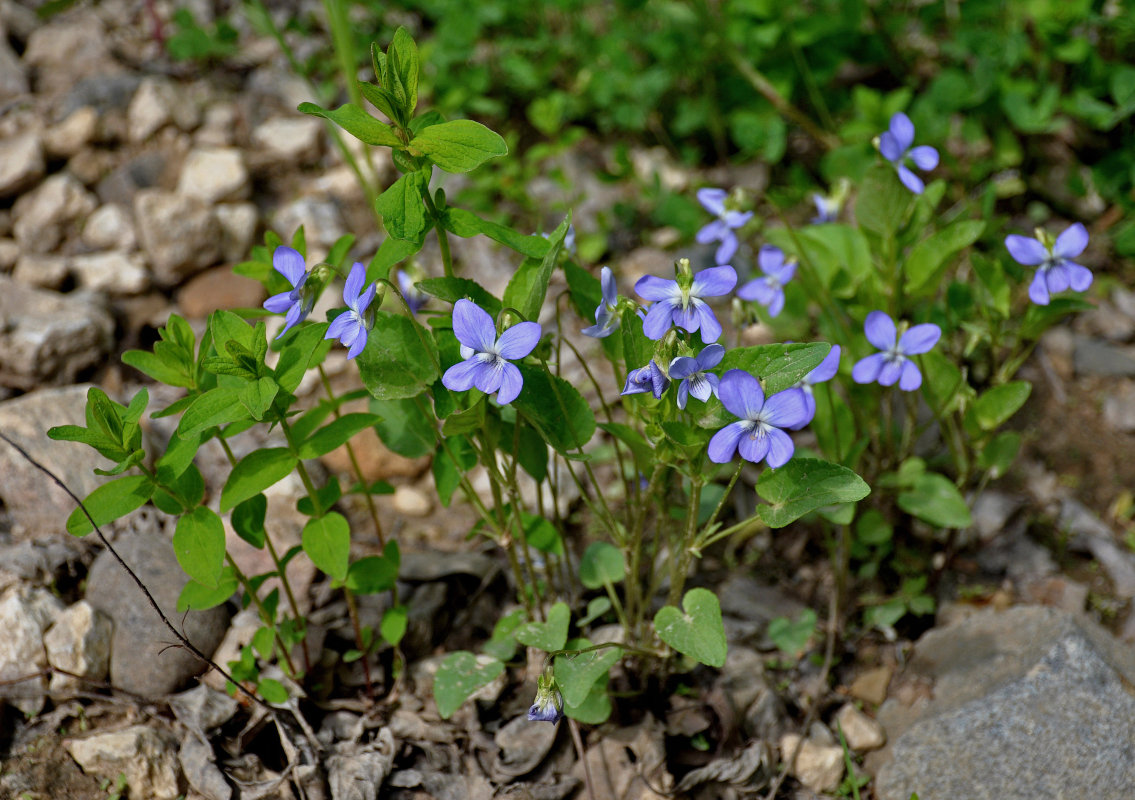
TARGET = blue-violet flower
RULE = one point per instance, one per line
(549, 703)
(721, 229)
(757, 435)
(607, 313)
(695, 376)
(487, 355)
(895, 145)
(894, 363)
(299, 301)
(825, 371)
(352, 325)
(769, 290)
(415, 297)
(650, 378)
(681, 302)
(1055, 269)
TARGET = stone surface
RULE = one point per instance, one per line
(213, 174)
(145, 755)
(21, 163)
(47, 338)
(411, 502)
(288, 141)
(72, 134)
(375, 460)
(217, 288)
(110, 227)
(41, 271)
(818, 767)
(1026, 703)
(1093, 357)
(860, 731)
(44, 215)
(238, 227)
(147, 170)
(64, 51)
(39, 507)
(180, 234)
(141, 660)
(1119, 407)
(78, 642)
(24, 615)
(115, 272)
(9, 253)
(871, 685)
(151, 108)
(321, 220)
(13, 80)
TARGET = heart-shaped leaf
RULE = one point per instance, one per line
(699, 632)
(460, 675)
(548, 636)
(575, 675)
(601, 563)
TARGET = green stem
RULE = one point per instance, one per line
(680, 562)
(725, 496)
(264, 615)
(442, 234)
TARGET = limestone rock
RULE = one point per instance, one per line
(238, 227)
(1026, 703)
(376, 461)
(24, 615)
(21, 163)
(47, 338)
(13, 81)
(9, 253)
(78, 642)
(289, 140)
(871, 686)
(1093, 357)
(322, 223)
(213, 174)
(818, 767)
(43, 216)
(115, 272)
(68, 49)
(861, 732)
(151, 108)
(110, 227)
(180, 234)
(40, 271)
(147, 757)
(75, 132)
(411, 502)
(218, 287)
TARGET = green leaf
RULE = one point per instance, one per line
(699, 632)
(392, 251)
(158, 368)
(335, 434)
(596, 607)
(883, 202)
(451, 461)
(576, 675)
(601, 564)
(640, 449)
(556, 409)
(596, 708)
(924, 263)
(358, 123)
(272, 691)
(299, 351)
(992, 276)
(791, 638)
(248, 520)
(548, 636)
(529, 286)
(778, 366)
(502, 644)
(372, 574)
(1000, 453)
(459, 146)
(453, 289)
(1038, 319)
(405, 427)
(466, 224)
(196, 597)
(254, 473)
(393, 624)
(400, 359)
(401, 207)
(215, 407)
(994, 407)
(199, 544)
(257, 396)
(459, 676)
(110, 501)
(177, 458)
(944, 384)
(403, 52)
(935, 499)
(803, 485)
(327, 542)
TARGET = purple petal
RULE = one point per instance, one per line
(809, 411)
(339, 326)
(911, 378)
(713, 232)
(785, 409)
(511, 384)
(714, 282)
(351, 331)
(737, 219)
(289, 263)
(1058, 279)
(770, 259)
(683, 367)
(1025, 250)
(659, 383)
(488, 379)
(758, 291)
(754, 446)
(295, 315)
(741, 394)
(1080, 275)
(362, 303)
(651, 287)
(683, 394)
(462, 376)
(1038, 289)
(724, 443)
(777, 304)
(687, 318)
(713, 200)
(605, 325)
(866, 370)
(354, 285)
(826, 369)
(910, 180)
(880, 330)
(785, 273)
(473, 326)
(890, 372)
(279, 303)
(610, 292)
(638, 381)
(780, 448)
(727, 249)
(903, 131)
(710, 357)
(1072, 242)
(924, 157)
(658, 319)
(710, 327)
(518, 341)
(889, 147)
(360, 342)
(920, 339)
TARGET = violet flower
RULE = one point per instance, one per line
(650, 378)
(352, 325)
(415, 298)
(607, 313)
(549, 703)
(894, 363)
(680, 302)
(769, 290)
(827, 209)
(299, 301)
(695, 376)
(895, 145)
(825, 371)
(757, 435)
(721, 229)
(487, 355)
(1055, 269)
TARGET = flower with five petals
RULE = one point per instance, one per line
(721, 229)
(681, 302)
(757, 435)
(351, 327)
(894, 363)
(1055, 269)
(486, 355)
(895, 145)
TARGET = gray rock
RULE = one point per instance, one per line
(146, 756)
(24, 615)
(143, 171)
(48, 338)
(202, 708)
(1027, 703)
(115, 272)
(21, 162)
(1091, 534)
(1119, 407)
(1099, 358)
(75, 132)
(151, 108)
(523, 745)
(67, 50)
(288, 141)
(110, 227)
(238, 227)
(107, 93)
(44, 215)
(141, 659)
(78, 642)
(37, 505)
(13, 81)
(321, 220)
(9, 252)
(198, 763)
(213, 174)
(180, 234)
(41, 271)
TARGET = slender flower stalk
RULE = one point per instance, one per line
(1056, 271)
(894, 363)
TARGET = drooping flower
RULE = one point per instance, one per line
(351, 327)
(757, 435)
(895, 145)
(415, 298)
(894, 363)
(650, 378)
(486, 355)
(549, 703)
(299, 301)
(769, 290)
(607, 313)
(680, 302)
(825, 371)
(827, 209)
(1055, 269)
(695, 376)
(721, 229)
